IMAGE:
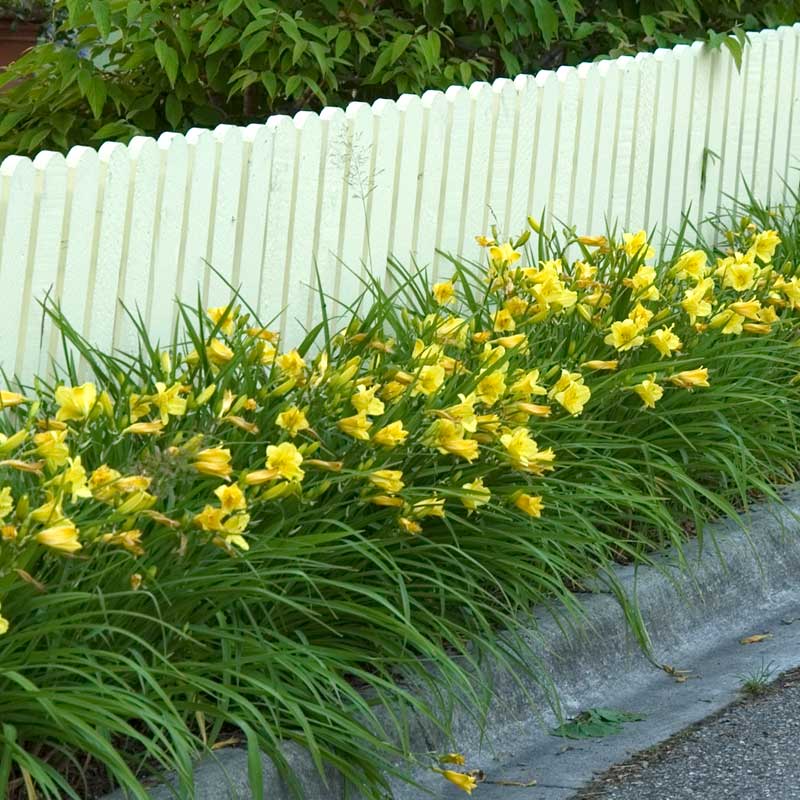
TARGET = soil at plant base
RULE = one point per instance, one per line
(749, 750)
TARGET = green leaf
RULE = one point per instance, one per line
(101, 9)
(649, 24)
(735, 49)
(222, 40)
(363, 42)
(209, 29)
(399, 46)
(9, 120)
(434, 12)
(547, 19)
(95, 93)
(173, 110)
(168, 58)
(228, 7)
(292, 85)
(133, 10)
(111, 130)
(270, 83)
(568, 9)
(343, 40)
(595, 723)
(298, 50)
(253, 45)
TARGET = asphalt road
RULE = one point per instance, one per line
(750, 750)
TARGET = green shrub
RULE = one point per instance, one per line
(122, 67)
(215, 538)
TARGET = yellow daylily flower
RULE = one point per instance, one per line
(75, 402)
(570, 392)
(692, 264)
(601, 365)
(649, 391)
(739, 272)
(145, 428)
(285, 459)
(136, 502)
(429, 380)
(665, 341)
(764, 245)
(525, 453)
(387, 480)
(625, 335)
(464, 782)
(224, 317)
(451, 758)
(696, 302)
(9, 443)
(528, 385)
(391, 435)
(214, 461)
(409, 525)
(491, 388)
(635, 244)
(62, 537)
(503, 255)
(231, 498)
(503, 321)
(130, 540)
(444, 292)
(6, 502)
(430, 507)
(364, 400)
(293, 420)
(10, 399)
(218, 353)
(690, 379)
(356, 426)
(448, 437)
(479, 495)
(530, 504)
(291, 363)
(52, 447)
(168, 401)
(750, 309)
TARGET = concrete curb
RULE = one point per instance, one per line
(746, 572)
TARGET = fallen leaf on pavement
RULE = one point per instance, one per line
(522, 784)
(680, 675)
(755, 638)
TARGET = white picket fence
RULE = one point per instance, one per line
(622, 140)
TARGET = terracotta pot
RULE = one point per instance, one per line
(16, 36)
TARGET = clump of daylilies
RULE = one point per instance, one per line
(202, 442)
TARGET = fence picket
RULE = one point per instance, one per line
(299, 264)
(75, 278)
(787, 69)
(174, 152)
(276, 242)
(382, 171)
(524, 152)
(115, 177)
(19, 194)
(44, 268)
(330, 208)
(453, 209)
(353, 232)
